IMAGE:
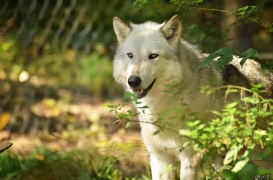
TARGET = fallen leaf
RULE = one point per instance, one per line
(4, 120)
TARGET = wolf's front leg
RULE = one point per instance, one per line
(187, 172)
(159, 164)
(189, 166)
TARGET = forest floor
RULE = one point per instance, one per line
(88, 126)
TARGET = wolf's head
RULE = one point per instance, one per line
(147, 54)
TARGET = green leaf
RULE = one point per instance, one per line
(128, 124)
(206, 89)
(185, 144)
(208, 59)
(143, 107)
(130, 113)
(266, 67)
(193, 123)
(135, 3)
(156, 132)
(217, 113)
(213, 80)
(232, 154)
(231, 105)
(251, 53)
(247, 152)
(223, 60)
(255, 87)
(242, 62)
(227, 51)
(228, 175)
(239, 165)
(127, 95)
(223, 168)
(270, 29)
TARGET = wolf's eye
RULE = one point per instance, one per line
(130, 55)
(153, 55)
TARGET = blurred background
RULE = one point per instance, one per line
(56, 75)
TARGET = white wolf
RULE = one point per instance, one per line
(151, 55)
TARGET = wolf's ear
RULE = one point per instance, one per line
(172, 30)
(121, 29)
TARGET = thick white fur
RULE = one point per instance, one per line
(177, 61)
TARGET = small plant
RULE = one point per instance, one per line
(45, 164)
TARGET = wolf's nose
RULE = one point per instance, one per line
(134, 81)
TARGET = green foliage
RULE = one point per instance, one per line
(225, 55)
(240, 125)
(181, 3)
(205, 32)
(8, 48)
(129, 117)
(266, 67)
(56, 69)
(76, 164)
(247, 12)
(8, 52)
(140, 3)
(45, 164)
(95, 71)
(249, 54)
(186, 2)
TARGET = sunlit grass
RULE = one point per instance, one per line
(44, 164)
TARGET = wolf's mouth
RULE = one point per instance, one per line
(140, 93)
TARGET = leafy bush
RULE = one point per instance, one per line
(237, 130)
(241, 127)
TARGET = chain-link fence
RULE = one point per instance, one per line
(55, 57)
(44, 47)
(58, 52)
(58, 24)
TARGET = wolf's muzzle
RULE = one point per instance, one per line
(134, 81)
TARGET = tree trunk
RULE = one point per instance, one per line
(239, 34)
